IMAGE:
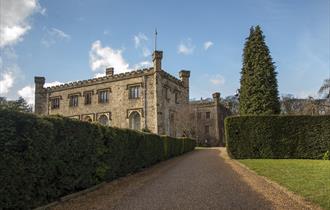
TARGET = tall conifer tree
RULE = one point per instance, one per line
(259, 90)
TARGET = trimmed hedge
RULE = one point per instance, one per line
(295, 137)
(44, 158)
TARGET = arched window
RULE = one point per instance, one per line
(88, 119)
(135, 121)
(103, 120)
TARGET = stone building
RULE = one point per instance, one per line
(207, 121)
(143, 99)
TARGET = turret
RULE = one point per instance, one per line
(216, 97)
(157, 57)
(40, 101)
(184, 76)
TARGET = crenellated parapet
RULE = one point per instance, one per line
(100, 80)
(112, 77)
(144, 98)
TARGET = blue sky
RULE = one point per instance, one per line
(66, 40)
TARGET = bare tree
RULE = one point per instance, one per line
(325, 88)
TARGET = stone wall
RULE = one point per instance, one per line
(117, 108)
(172, 95)
(157, 109)
(207, 117)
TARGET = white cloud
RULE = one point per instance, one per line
(50, 84)
(102, 57)
(139, 39)
(6, 82)
(15, 19)
(307, 94)
(27, 93)
(58, 33)
(217, 80)
(186, 47)
(141, 42)
(99, 75)
(142, 64)
(146, 52)
(54, 35)
(208, 44)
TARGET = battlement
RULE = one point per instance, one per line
(109, 78)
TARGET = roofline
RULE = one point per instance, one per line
(112, 78)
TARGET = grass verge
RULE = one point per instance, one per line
(308, 178)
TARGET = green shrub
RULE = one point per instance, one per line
(301, 137)
(44, 158)
(326, 156)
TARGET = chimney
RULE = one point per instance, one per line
(216, 97)
(109, 71)
(157, 60)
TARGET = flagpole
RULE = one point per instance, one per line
(155, 39)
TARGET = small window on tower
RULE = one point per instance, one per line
(207, 115)
(166, 96)
(176, 97)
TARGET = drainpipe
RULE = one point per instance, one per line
(145, 101)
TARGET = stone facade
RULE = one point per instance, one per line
(143, 99)
(207, 118)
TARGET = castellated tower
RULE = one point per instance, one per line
(218, 130)
(157, 57)
(40, 100)
(184, 76)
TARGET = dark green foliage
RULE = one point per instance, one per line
(17, 105)
(42, 159)
(258, 93)
(295, 137)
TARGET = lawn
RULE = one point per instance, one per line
(308, 178)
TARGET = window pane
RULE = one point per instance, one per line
(103, 96)
(88, 98)
(133, 92)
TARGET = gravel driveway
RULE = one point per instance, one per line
(202, 179)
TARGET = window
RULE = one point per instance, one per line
(199, 115)
(165, 92)
(55, 103)
(134, 92)
(88, 119)
(207, 130)
(207, 115)
(73, 101)
(176, 98)
(103, 120)
(88, 98)
(103, 96)
(135, 121)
